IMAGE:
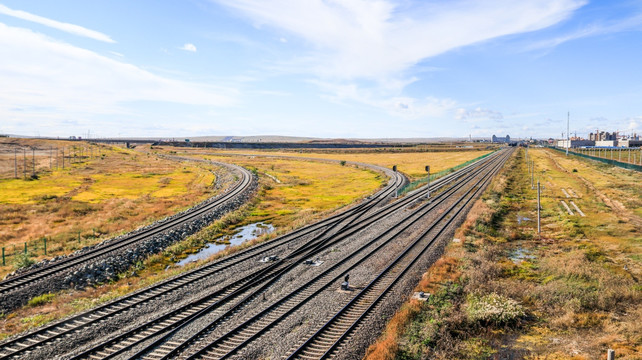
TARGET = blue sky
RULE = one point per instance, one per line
(322, 68)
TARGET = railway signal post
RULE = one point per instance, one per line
(428, 184)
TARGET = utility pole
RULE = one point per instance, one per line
(50, 156)
(539, 228)
(24, 163)
(33, 161)
(568, 137)
(63, 158)
(15, 163)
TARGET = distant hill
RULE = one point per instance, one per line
(253, 138)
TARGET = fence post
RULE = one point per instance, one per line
(78, 237)
(45, 240)
(610, 354)
(3, 260)
(25, 248)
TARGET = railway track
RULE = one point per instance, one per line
(168, 325)
(21, 345)
(326, 341)
(253, 327)
(17, 282)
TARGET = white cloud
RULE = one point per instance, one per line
(362, 50)
(50, 79)
(188, 47)
(66, 27)
(595, 29)
(379, 39)
(478, 113)
(396, 105)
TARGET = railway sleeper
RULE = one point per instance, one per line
(311, 354)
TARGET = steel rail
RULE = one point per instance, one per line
(253, 327)
(347, 319)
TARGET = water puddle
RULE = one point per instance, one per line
(520, 254)
(522, 218)
(242, 234)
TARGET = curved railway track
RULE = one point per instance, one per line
(24, 343)
(173, 322)
(40, 274)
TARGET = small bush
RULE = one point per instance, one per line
(343, 162)
(42, 299)
(23, 260)
(493, 309)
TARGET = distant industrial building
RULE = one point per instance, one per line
(602, 136)
(502, 140)
(603, 139)
(606, 143)
(575, 143)
(630, 143)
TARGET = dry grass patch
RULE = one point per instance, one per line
(92, 198)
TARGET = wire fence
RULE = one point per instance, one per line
(20, 255)
(610, 161)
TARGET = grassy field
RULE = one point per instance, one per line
(412, 164)
(92, 198)
(501, 290)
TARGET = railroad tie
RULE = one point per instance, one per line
(577, 209)
(568, 209)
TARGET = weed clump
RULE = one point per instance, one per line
(40, 300)
(493, 309)
(23, 260)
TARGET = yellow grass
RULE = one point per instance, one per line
(308, 187)
(412, 163)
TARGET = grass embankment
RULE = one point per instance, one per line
(92, 198)
(412, 164)
(292, 202)
(502, 291)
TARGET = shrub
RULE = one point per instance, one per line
(343, 162)
(23, 260)
(42, 299)
(493, 309)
